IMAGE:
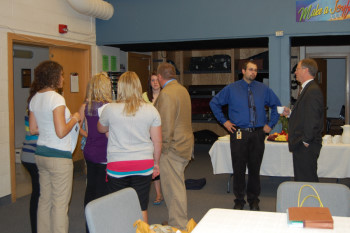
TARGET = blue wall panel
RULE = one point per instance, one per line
(143, 21)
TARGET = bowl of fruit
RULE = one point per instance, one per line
(278, 137)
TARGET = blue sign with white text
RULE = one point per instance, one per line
(322, 10)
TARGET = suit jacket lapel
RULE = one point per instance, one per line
(301, 95)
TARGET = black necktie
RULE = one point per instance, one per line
(252, 108)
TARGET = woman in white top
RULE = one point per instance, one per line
(134, 140)
(51, 119)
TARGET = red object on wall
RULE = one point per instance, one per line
(62, 28)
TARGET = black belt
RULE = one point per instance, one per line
(250, 129)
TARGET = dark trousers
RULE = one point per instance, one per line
(141, 184)
(96, 185)
(305, 162)
(247, 153)
(34, 198)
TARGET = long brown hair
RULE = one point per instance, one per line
(46, 74)
(150, 89)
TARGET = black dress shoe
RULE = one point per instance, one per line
(238, 206)
(254, 205)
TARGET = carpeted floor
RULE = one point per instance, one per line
(15, 217)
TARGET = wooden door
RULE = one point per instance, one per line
(140, 63)
(321, 79)
(74, 61)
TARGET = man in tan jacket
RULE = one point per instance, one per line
(174, 106)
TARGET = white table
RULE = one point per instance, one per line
(228, 221)
(334, 160)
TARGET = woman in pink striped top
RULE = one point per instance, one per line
(134, 142)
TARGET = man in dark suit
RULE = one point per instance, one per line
(306, 123)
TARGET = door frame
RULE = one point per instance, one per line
(345, 56)
(14, 38)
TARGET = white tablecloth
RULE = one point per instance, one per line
(228, 221)
(334, 160)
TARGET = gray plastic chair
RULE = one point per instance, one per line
(334, 196)
(114, 213)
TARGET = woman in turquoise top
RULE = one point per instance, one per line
(28, 161)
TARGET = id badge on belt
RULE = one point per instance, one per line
(239, 134)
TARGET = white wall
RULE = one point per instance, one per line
(36, 18)
(109, 51)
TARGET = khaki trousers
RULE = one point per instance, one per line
(172, 168)
(55, 178)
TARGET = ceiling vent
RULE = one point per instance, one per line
(95, 8)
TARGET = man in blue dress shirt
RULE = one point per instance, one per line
(247, 125)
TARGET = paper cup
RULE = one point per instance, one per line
(336, 139)
(327, 139)
(280, 109)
